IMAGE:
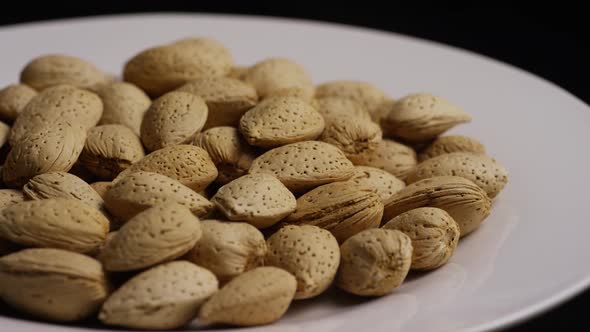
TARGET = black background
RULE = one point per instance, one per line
(552, 41)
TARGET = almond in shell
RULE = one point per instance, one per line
(450, 144)
(274, 75)
(334, 108)
(13, 100)
(366, 94)
(10, 197)
(390, 156)
(353, 135)
(380, 182)
(55, 69)
(101, 187)
(124, 103)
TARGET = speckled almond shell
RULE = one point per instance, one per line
(55, 69)
(124, 103)
(164, 68)
(434, 235)
(188, 164)
(58, 104)
(304, 165)
(52, 284)
(258, 199)
(10, 197)
(158, 234)
(484, 171)
(422, 117)
(47, 149)
(374, 262)
(54, 223)
(110, 149)
(333, 108)
(340, 207)
(228, 150)
(13, 100)
(281, 120)
(259, 296)
(228, 249)
(366, 94)
(390, 156)
(142, 190)
(462, 199)
(272, 75)
(165, 297)
(380, 182)
(227, 99)
(173, 119)
(309, 253)
(352, 135)
(450, 144)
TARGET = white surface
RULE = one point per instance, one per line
(530, 254)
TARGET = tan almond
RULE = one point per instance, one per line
(164, 68)
(382, 183)
(52, 284)
(58, 104)
(434, 235)
(340, 207)
(173, 119)
(101, 187)
(124, 103)
(352, 135)
(334, 108)
(238, 72)
(4, 133)
(227, 99)
(55, 69)
(9, 197)
(188, 164)
(422, 117)
(47, 149)
(258, 199)
(366, 94)
(228, 150)
(165, 297)
(281, 120)
(304, 165)
(390, 156)
(13, 100)
(256, 297)
(450, 144)
(142, 190)
(228, 249)
(462, 199)
(309, 253)
(273, 75)
(374, 262)
(54, 223)
(484, 171)
(110, 149)
(158, 234)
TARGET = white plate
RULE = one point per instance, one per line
(530, 254)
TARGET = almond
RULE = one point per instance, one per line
(352, 135)
(304, 165)
(259, 296)
(238, 72)
(366, 94)
(55, 69)
(124, 103)
(340, 207)
(173, 119)
(13, 100)
(4, 133)
(281, 120)
(52, 284)
(9, 197)
(165, 297)
(382, 183)
(449, 144)
(101, 187)
(275, 74)
(334, 108)
(390, 156)
(258, 199)
(422, 117)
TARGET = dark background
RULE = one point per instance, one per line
(552, 41)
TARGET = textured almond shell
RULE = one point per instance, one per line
(228, 249)
(380, 182)
(450, 144)
(4, 133)
(13, 100)
(227, 99)
(304, 165)
(165, 297)
(10, 197)
(481, 169)
(340, 207)
(259, 296)
(258, 199)
(374, 262)
(272, 75)
(158, 234)
(281, 120)
(434, 235)
(142, 190)
(190, 165)
(333, 108)
(352, 135)
(462, 199)
(308, 252)
(173, 119)
(124, 103)
(388, 155)
(52, 284)
(366, 94)
(55, 69)
(101, 187)
(54, 223)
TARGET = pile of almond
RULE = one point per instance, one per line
(195, 188)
